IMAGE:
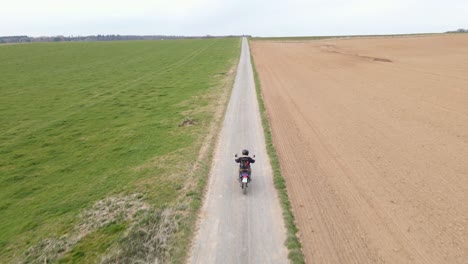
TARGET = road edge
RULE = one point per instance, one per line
(292, 242)
(207, 166)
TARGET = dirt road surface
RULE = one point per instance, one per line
(372, 136)
(236, 227)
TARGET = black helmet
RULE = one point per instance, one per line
(245, 152)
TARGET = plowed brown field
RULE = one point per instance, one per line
(372, 136)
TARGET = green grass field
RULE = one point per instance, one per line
(101, 121)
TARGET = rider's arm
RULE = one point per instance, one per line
(252, 160)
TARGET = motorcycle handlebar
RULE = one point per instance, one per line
(235, 155)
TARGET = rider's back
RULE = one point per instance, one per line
(244, 162)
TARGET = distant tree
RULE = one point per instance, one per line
(460, 30)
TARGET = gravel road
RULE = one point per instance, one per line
(236, 227)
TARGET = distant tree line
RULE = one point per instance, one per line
(460, 30)
(25, 39)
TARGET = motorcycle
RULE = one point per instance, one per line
(244, 177)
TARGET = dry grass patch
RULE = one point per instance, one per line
(112, 210)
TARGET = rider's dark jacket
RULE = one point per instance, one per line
(249, 160)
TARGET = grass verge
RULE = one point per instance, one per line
(194, 197)
(293, 244)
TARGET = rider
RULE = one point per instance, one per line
(244, 162)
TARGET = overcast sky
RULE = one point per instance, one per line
(222, 17)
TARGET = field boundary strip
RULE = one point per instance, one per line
(292, 242)
(204, 162)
